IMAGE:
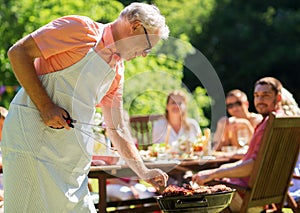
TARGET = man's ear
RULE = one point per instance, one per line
(135, 25)
(279, 97)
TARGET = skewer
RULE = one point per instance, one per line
(91, 136)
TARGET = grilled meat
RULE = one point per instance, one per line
(173, 190)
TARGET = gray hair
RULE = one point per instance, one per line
(148, 15)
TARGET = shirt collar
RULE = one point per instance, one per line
(108, 39)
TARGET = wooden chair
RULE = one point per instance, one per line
(291, 203)
(274, 165)
(142, 129)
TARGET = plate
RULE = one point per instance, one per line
(188, 158)
(108, 159)
(149, 159)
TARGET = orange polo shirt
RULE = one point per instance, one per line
(66, 40)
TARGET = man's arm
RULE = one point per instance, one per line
(241, 169)
(21, 56)
(121, 138)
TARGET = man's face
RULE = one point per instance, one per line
(137, 42)
(136, 46)
(265, 99)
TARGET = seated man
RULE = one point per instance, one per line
(267, 99)
(241, 119)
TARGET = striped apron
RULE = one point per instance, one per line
(45, 169)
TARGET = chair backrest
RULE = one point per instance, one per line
(141, 127)
(275, 162)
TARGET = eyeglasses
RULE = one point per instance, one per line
(149, 48)
(235, 104)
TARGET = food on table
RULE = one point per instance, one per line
(155, 148)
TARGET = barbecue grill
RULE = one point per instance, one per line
(204, 203)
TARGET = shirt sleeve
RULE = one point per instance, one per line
(64, 34)
(255, 141)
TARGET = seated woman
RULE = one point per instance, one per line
(176, 125)
(227, 128)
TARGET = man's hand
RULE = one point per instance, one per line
(157, 178)
(55, 116)
(203, 177)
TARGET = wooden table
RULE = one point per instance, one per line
(102, 173)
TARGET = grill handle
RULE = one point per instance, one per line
(179, 204)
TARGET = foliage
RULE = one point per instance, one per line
(149, 80)
(246, 40)
(29, 15)
(186, 17)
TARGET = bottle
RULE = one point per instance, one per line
(207, 141)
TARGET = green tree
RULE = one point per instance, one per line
(246, 40)
(20, 17)
(148, 80)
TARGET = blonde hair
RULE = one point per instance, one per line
(288, 103)
(149, 16)
(185, 124)
(240, 95)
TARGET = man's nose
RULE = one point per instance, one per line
(144, 54)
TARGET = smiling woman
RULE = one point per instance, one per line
(176, 125)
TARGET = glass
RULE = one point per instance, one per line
(243, 137)
(162, 153)
(149, 48)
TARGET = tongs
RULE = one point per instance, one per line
(70, 121)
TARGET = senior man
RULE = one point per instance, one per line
(67, 67)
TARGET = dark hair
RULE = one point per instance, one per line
(273, 82)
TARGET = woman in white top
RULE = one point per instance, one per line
(176, 124)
